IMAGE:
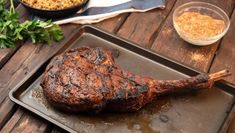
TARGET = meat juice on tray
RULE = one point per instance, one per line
(88, 80)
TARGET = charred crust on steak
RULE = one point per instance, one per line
(87, 79)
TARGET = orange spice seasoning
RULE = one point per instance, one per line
(199, 26)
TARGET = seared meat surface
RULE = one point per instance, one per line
(87, 79)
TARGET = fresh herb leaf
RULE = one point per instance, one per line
(12, 30)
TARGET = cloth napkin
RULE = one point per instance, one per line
(98, 10)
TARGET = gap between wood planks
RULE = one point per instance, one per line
(155, 34)
(121, 23)
(225, 56)
(222, 41)
(142, 28)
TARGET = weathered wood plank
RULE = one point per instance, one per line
(225, 56)
(108, 27)
(28, 57)
(7, 109)
(5, 54)
(23, 62)
(231, 128)
(21, 68)
(29, 123)
(230, 123)
(113, 24)
(169, 44)
(13, 121)
(142, 28)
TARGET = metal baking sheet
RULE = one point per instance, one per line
(185, 112)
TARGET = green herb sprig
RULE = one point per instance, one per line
(12, 30)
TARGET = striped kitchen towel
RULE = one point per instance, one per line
(98, 10)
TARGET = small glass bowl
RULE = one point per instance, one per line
(205, 9)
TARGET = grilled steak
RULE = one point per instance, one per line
(87, 79)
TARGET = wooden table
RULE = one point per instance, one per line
(153, 30)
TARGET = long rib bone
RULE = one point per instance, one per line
(201, 81)
(219, 75)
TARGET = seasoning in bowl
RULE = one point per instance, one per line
(200, 23)
(199, 26)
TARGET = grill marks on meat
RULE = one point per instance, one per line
(87, 79)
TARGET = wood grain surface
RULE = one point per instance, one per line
(152, 29)
(171, 45)
(5, 54)
(225, 58)
(225, 55)
(142, 28)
